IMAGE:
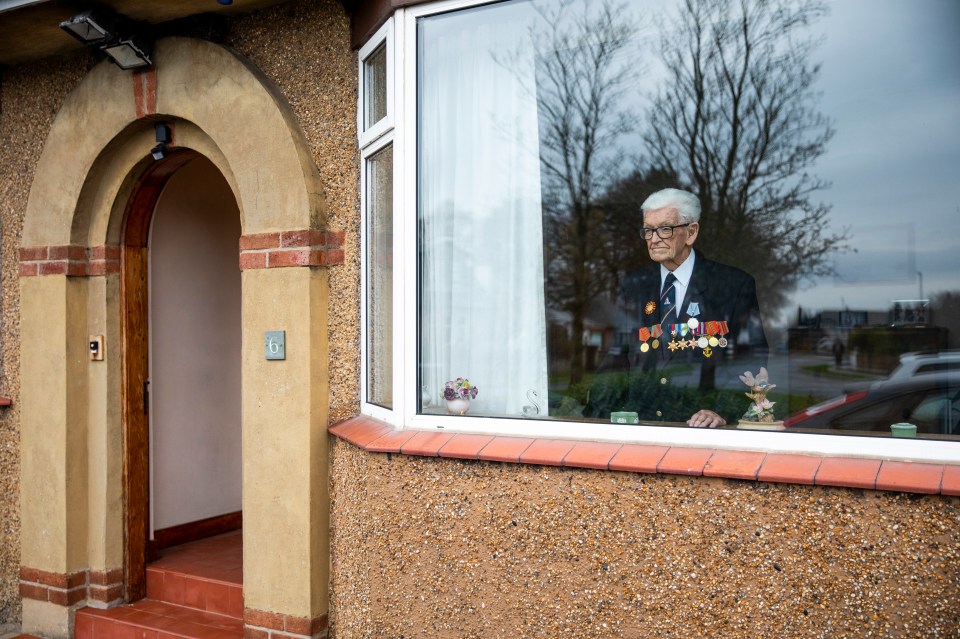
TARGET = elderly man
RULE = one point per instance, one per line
(684, 324)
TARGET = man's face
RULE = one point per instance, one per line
(670, 252)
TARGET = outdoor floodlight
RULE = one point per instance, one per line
(111, 34)
(88, 27)
(128, 54)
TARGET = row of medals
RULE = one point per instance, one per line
(705, 343)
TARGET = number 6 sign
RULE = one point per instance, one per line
(274, 344)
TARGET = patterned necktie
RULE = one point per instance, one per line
(667, 297)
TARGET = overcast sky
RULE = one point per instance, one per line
(891, 84)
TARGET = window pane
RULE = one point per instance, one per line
(375, 87)
(379, 203)
(822, 244)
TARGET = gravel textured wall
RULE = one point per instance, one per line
(30, 96)
(429, 547)
(304, 48)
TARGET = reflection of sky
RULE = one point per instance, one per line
(891, 84)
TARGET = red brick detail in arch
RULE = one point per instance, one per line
(261, 624)
(67, 589)
(305, 247)
(70, 260)
(145, 91)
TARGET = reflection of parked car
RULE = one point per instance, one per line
(912, 364)
(920, 363)
(932, 402)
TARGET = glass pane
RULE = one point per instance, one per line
(819, 238)
(379, 198)
(375, 87)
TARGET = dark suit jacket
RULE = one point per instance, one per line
(670, 385)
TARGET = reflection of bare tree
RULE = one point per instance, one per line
(583, 73)
(736, 121)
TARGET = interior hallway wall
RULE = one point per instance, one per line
(194, 291)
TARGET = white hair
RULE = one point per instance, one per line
(686, 203)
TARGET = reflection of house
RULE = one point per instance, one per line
(910, 312)
(598, 333)
(371, 531)
(878, 336)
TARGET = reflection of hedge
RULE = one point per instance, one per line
(643, 393)
(879, 348)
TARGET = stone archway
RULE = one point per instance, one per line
(72, 407)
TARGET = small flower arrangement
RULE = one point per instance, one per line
(459, 388)
(761, 410)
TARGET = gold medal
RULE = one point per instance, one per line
(645, 347)
(713, 341)
(655, 343)
(691, 343)
(650, 308)
(673, 345)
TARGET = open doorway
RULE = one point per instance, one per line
(194, 358)
(182, 335)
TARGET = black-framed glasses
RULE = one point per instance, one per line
(664, 232)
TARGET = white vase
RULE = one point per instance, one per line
(458, 406)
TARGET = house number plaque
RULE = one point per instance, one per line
(274, 344)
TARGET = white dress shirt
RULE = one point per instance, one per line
(683, 273)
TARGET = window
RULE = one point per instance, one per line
(375, 108)
(377, 193)
(379, 272)
(375, 86)
(529, 133)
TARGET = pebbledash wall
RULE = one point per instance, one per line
(427, 546)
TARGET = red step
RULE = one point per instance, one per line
(194, 591)
(150, 619)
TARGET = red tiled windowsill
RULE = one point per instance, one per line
(374, 435)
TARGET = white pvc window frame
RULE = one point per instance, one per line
(375, 139)
(383, 36)
(403, 60)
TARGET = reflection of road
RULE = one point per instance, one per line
(788, 373)
(801, 382)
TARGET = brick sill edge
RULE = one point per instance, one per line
(376, 436)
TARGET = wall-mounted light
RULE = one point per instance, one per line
(110, 34)
(163, 137)
(128, 54)
(89, 27)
